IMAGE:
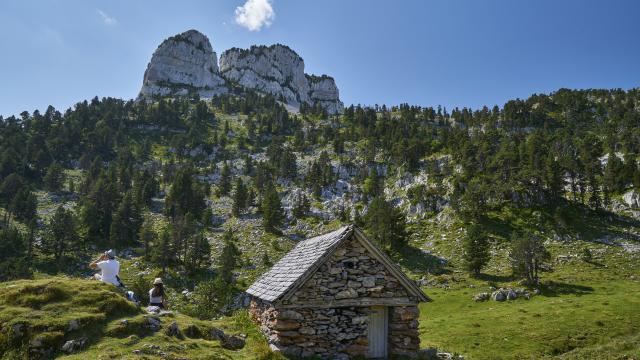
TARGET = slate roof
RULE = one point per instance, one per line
(304, 257)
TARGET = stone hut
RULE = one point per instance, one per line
(337, 295)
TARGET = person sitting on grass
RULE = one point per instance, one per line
(110, 268)
(156, 295)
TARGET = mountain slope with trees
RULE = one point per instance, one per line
(210, 193)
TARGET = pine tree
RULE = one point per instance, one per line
(228, 258)
(54, 178)
(224, 186)
(61, 236)
(386, 224)
(162, 253)
(528, 256)
(271, 208)
(13, 264)
(301, 206)
(126, 223)
(199, 255)
(553, 177)
(147, 235)
(24, 205)
(476, 249)
(239, 198)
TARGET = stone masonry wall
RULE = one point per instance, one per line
(305, 332)
(350, 273)
(404, 338)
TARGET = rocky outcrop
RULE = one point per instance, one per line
(185, 65)
(182, 65)
(278, 70)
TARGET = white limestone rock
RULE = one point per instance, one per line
(183, 64)
(278, 70)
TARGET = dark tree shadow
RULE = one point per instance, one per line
(553, 288)
(419, 261)
(492, 278)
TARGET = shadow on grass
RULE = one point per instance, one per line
(491, 278)
(553, 288)
(419, 261)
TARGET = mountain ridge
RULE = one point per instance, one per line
(186, 64)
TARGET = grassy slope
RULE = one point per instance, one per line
(46, 307)
(586, 310)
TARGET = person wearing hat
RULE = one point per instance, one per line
(109, 266)
(156, 295)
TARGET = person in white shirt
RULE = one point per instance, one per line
(156, 295)
(109, 266)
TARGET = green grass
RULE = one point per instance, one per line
(587, 310)
(44, 308)
(587, 317)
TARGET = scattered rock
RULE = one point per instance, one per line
(498, 296)
(217, 334)
(174, 331)
(153, 323)
(481, 297)
(233, 342)
(73, 325)
(73, 346)
(153, 309)
(193, 332)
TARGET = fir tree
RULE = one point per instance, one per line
(224, 186)
(271, 208)
(386, 224)
(239, 198)
(476, 249)
(61, 236)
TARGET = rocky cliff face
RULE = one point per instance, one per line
(186, 64)
(278, 70)
(183, 64)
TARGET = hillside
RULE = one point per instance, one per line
(58, 317)
(209, 194)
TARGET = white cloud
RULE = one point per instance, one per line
(255, 14)
(108, 20)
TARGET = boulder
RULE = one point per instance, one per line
(217, 334)
(73, 325)
(632, 199)
(152, 323)
(174, 331)
(484, 296)
(233, 342)
(498, 295)
(73, 346)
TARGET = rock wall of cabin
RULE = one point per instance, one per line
(404, 338)
(351, 273)
(308, 330)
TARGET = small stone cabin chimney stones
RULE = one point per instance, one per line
(338, 295)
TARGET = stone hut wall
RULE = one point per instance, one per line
(349, 274)
(404, 338)
(313, 331)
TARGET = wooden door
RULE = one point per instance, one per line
(378, 332)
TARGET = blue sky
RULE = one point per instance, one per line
(425, 52)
